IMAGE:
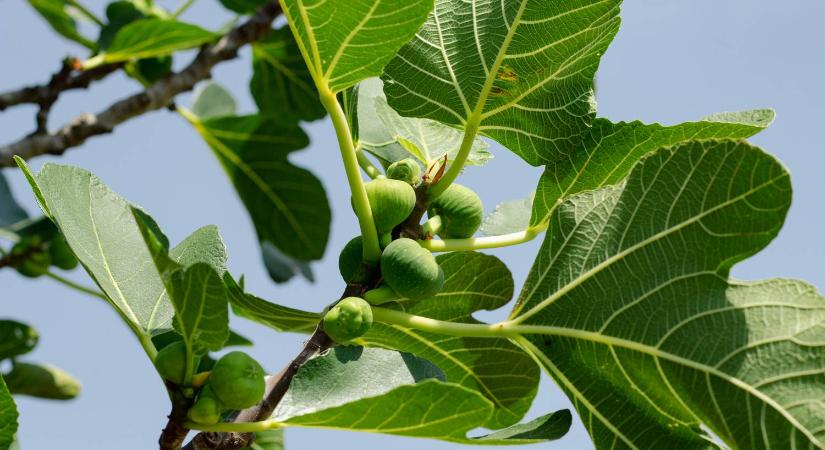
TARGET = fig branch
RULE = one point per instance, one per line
(158, 96)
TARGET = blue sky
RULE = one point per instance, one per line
(672, 61)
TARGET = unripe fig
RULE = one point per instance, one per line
(238, 380)
(461, 212)
(207, 408)
(391, 202)
(41, 381)
(61, 254)
(349, 319)
(411, 270)
(350, 258)
(171, 362)
(406, 170)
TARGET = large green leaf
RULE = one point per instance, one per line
(610, 150)
(382, 391)
(10, 211)
(639, 324)
(288, 205)
(494, 367)
(150, 38)
(16, 339)
(508, 217)
(200, 301)
(391, 137)
(8, 417)
(280, 267)
(346, 42)
(104, 232)
(281, 83)
(56, 13)
(521, 71)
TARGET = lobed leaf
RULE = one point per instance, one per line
(281, 268)
(508, 217)
(281, 84)
(640, 325)
(496, 368)
(391, 137)
(346, 42)
(609, 150)
(521, 71)
(288, 205)
(8, 417)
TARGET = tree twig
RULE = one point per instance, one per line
(155, 97)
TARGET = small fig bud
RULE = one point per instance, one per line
(411, 270)
(461, 212)
(207, 408)
(349, 319)
(406, 170)
(171, 362)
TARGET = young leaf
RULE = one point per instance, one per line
(492, 366)
(152, 37)
(609, 151)
(382, 391)
(42, 381)
(281, 83)
(8, 417)
(382, 132)
(56, 14)
(641, 327)
(521, 71)
(288, 205)
(508, 217)
(204, 245)
(10, 211)
(278, 317)
(16, 339)
(346, 42)
(212, 100)
(200, 301)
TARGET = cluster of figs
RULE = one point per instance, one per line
(236, 381)
(408, 271)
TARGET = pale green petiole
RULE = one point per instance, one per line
(75, 286)
(480, 243)
(367, 165)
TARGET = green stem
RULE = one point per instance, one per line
(361, 204)
(470, 131)
(389, 316)
(182, 8)
(367, 165)
(470, 244)
(240, 427)
(75, 286)
(432, 227)
(88, 14)
(9, 235)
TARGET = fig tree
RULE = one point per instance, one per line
(406, 170)
(391, 202)
(171, 362)
(349, 319)
(207, 408)
(238, 380)
(411, 270)
(461, 212)
(350, 258)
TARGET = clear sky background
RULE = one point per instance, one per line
(673, 61)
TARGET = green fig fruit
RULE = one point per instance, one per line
(461, 212)
(207, 408)
(411, 270)
(61, 254)
(41, 381)
(349, 319)
(238, 380)
(350, 258)
(391, 201)
(171, 362)
(406, 170)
